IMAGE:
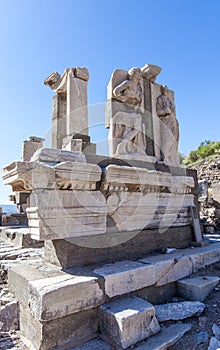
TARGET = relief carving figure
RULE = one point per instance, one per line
(169, 128)
(129, 134)
(127, 129)
(130, 91)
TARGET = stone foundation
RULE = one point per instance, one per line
(61, 310)
(141, 244)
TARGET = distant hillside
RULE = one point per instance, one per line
(207, 150)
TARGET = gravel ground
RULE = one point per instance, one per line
(199, 336)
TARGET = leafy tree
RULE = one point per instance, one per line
(193, 156)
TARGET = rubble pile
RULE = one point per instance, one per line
(208, 172)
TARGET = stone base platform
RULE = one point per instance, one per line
(111, 247)
(63, 308)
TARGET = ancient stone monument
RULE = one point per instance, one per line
(92, 210)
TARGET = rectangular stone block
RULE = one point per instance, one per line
(61, 333)
(30, 146)
(127, 321)
(150, 209)
(66, 214)
(20, 275)
(126, 276)
(114, 246)
(55, 155)
(59, 296)
(197, 288)
(169, 267)
(53, 295)
(205, 256)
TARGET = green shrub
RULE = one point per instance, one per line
(193, 156)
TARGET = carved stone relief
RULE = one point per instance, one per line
(169, 128)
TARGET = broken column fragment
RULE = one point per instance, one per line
(70, 109)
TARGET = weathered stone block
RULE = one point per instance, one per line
(126, 276)
(64, 332)
(9, 317)
(170, 267)
(59, 296)
(57, 155)
(67, 214)
(20, 275)
(127, 321)
(197, 288)
(55, 294)
(91, 250)
(178, 311)
(205, 256)
(30, 146)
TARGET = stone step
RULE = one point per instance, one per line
(181, 263)
(52, 293)
(197, 288)
(127, 321)
(125, 276)
(110, 279)
(63, 333)
(167, 337)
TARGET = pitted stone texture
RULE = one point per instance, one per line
(205, 256)
(167, 337)
(30, 146)
(126, 276)
(9, 317)
(197, 288)
(66, 214)
(170, 267)
(54, 294)
(127, 321)
(178, 311)
(94, 345)
(65, 175)
(135, 200)
(57, 155)
(214, 344)
(216, 331)
(59, 296)
(151, 209)
(61, 333)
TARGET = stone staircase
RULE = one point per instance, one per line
(113, 301)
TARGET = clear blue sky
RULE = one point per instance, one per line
(41, 36)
